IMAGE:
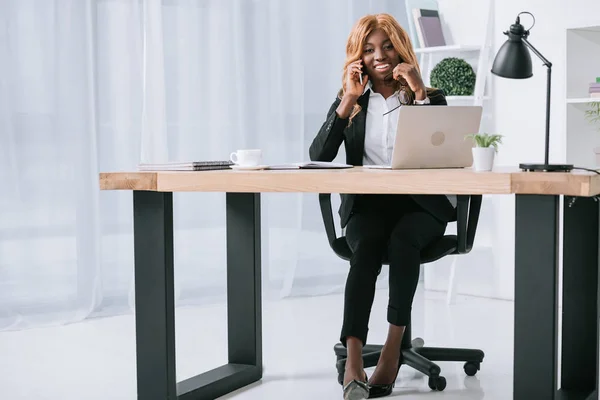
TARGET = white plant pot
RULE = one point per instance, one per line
(597, 154)
(483, 158)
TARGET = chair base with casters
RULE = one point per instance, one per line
(415, 355)
(413, 352)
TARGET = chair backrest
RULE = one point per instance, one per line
(467, 217)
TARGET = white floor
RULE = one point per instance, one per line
(96, 359)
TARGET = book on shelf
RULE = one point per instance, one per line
(594, 89)
(185, 166)
(428, 27)
(431, 28)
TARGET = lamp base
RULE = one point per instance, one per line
(546, 167)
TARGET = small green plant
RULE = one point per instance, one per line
(593, 114)
(485, 140)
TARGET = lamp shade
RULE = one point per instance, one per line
(513, 59)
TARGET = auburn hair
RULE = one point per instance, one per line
(358, 37)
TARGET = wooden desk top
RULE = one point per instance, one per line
(359, 180)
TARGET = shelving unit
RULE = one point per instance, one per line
(583, 66)
(446, 49)
(478, 55)
(584, 100)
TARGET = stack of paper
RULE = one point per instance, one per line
(310, 165)
(211, 165)
(185, 166)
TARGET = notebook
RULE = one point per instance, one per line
(185, 166)
(310, 165)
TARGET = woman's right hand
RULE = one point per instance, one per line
(353, 85)
(353, 89)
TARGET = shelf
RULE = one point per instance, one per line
(465, 98)
(584, 100)
(582, 58)
(447, 49)
(585, 29)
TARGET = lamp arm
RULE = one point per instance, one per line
(537, 53)
(549, 65)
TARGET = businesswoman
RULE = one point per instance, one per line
(364, 117)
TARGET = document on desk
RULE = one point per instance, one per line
(185, 166)
(377, 166)
(310, 165)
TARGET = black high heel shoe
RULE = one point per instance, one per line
(382, 390)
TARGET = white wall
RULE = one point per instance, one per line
(519, 115)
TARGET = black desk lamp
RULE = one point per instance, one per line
(514, 61)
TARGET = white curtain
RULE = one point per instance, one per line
(88, 86)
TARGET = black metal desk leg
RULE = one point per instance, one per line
(154, 297)
(536, 297)
(154, 308)
(579, 371)
(244, 307)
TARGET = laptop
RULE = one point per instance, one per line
(434, 137)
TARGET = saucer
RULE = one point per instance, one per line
(248, 167)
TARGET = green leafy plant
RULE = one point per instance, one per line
(454, 76)
(593, 114)
(485, 140)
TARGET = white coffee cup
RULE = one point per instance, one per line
(246, 158)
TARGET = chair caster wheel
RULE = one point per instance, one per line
(471, 368)
(437, 383)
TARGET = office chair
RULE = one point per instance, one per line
(413, 352)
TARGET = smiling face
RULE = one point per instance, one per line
(379, 56)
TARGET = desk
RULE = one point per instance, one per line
(537, 221)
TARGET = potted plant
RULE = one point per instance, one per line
(486, 146)
(592, 115)
(454, 76)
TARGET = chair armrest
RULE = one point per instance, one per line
(467, 217)
(327, 214)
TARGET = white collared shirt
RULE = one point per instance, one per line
(380, 129)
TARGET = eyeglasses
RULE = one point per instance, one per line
(393, 109)
(403, 99)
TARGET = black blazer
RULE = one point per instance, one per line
(335, 130)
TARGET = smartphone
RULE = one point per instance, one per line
(360, 77)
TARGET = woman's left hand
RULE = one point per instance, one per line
(409, 75)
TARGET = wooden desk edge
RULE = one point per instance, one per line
(129, 181)
(506, 182)
(550, 183)
(311, 181)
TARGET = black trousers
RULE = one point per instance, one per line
(385, 223)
